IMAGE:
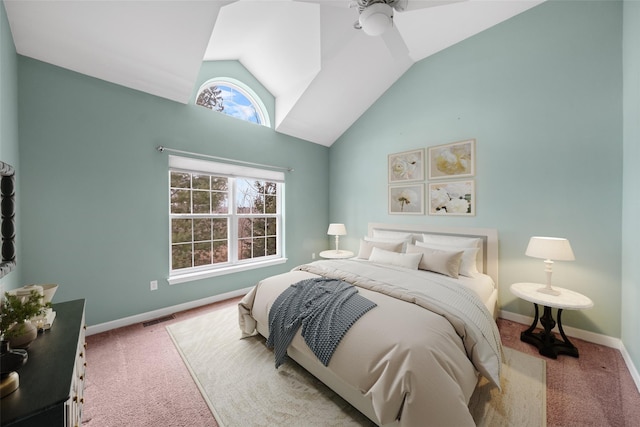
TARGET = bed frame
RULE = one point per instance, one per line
(490, 265)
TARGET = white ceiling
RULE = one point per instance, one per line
(323, 73)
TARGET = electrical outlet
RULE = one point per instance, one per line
(153, 285)
(313, 255)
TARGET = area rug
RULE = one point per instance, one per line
(238, 380)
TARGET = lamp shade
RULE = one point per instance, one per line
(337, 230)
(553, 248)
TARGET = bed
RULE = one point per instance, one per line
(415, 358)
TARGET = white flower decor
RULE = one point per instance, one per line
(459, 206)
(452, 160)
(439, 198)
(406, 166)
(452, 198)
(406, 199)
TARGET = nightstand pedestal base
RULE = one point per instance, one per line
(547, 343)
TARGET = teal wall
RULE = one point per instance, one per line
(630, 193)
(94, 189)
(9, 128)
(542, 95)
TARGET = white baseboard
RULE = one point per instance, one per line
(600, 339)
(632, 368)
(150, 315)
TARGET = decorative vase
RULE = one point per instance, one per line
(11, 359)
(27, 333)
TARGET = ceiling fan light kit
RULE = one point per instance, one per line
(376, 19)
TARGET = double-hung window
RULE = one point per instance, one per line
(224, 218)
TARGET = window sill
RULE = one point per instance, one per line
(189, 277)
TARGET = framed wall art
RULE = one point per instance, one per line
(455, 160)
(406, 166)
(452, 198)
(406, 199)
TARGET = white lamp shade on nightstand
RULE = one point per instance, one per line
(553, 248)
(337, 230)
(549, 249)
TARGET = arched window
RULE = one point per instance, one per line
(233, 98)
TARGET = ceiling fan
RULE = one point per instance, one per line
(376, 16)
(376, 19)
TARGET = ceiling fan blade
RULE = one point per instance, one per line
(344, 4)
(407, 5)
(396, 45)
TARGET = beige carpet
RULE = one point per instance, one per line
(238, 380)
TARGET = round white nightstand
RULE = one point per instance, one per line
(333, 254)
(548, 344)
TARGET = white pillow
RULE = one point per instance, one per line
(367, 247)
(398, 235)
(438, 261)
(457, 241)
(468, 265)
(404, 241)
(395, 258)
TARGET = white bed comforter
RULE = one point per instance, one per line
(416, 356)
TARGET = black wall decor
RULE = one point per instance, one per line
(8, 224)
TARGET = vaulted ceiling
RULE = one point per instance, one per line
(323, 73)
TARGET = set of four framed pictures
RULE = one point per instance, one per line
(447, 193)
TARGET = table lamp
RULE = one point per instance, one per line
(337, 230)
(549, 249)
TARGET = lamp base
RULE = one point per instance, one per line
(549, 291)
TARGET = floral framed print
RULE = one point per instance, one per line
(406, 199)
(452, 198)
(406, 166)
(455, 160)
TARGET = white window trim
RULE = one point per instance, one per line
(187, 163)
(198, 275)
(197, 165)
(249, 93)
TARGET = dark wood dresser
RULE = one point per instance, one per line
(51, 382)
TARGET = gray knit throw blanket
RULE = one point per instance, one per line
(325, 308)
